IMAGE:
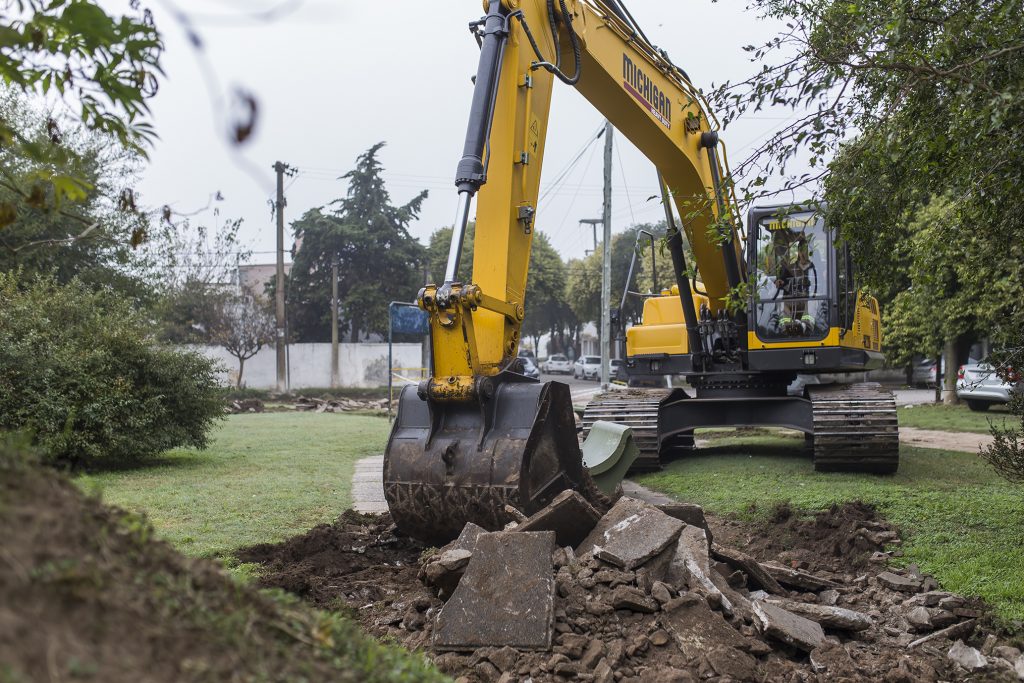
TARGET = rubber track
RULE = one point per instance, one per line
(855, 428)
(635, 408)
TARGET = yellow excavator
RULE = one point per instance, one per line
(478, 438)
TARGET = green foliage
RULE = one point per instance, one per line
(378, 261)
(437, 254)
(79, 372)
(106, 65)
(97, 70)
(1006, 454)
(584, 282)
(547, 308)
(88, 234)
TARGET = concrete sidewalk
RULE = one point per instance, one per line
(368, 486)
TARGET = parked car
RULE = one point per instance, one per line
(617, 372)
(923, 374)
(587, 367)
(557, 364)
(529, 367)
(978, 385)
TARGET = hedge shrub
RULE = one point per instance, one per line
(81, 372)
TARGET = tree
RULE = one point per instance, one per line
(378, 261)
(584, 281)
(89, 234)
(437, 254)
(547, 308)
(243, 326)
(192, 270)
(101, 66)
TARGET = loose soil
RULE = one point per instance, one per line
(87, 594)
(363, 565)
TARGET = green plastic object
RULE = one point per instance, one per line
(608, 453)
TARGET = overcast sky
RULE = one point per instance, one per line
(334, 77)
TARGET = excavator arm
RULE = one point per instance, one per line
(476, 436)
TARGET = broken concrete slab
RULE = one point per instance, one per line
(631, 533)
(506, 596)
(467, 538)
(904, 584)
(967, 656)
(752, 567)
(696, 628)
(787, 627)
(798, 578)
(569, 515)
(692, 545)
(690, 513)
(836, 618)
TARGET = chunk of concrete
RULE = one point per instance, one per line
(631, 533)
(446, 570)
(506, 596)
(967, 656)
(920, 619)
(633, 599)
(798, 578)
(787, 627)
(835, 618)
(696, 629)
(690, 513)
(569, 515)
(467, 538)
(752, 567)
(692, 546)
(904, 584)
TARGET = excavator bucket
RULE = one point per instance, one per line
(449, 463)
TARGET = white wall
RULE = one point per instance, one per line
(359, 365)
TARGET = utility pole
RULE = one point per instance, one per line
(334, 324)
(606, 268)
(280, 169)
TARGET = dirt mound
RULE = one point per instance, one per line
(86, 593)
(843, 536)
(612, 624)
(317, 564)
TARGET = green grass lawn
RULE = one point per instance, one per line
(955, 418)
(264, 478)
(961, 522)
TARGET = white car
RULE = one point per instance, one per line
(978, 385)
(587, 367)
(557, 364)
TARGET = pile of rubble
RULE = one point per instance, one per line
(329, 404)
(643, 593)
(245, 405)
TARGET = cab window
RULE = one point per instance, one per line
(792, 270)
